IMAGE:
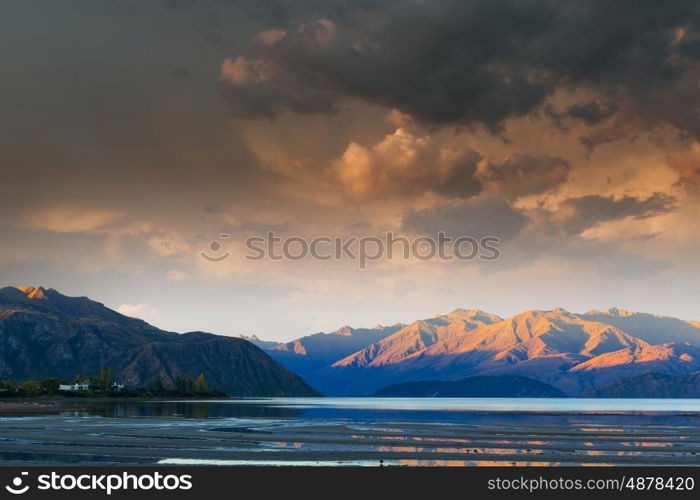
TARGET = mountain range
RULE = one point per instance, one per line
(310, 356)
(44, 333)
(615, 352)
(576, 353)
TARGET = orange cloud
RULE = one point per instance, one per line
(243, 71)
(523, 175)
(687, 165)
(70, 219)
(403, 164)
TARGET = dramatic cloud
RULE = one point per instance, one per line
(404, 164)
(523, 175)
(687, 165)
(567, 129)
(589, 112)
(578, 214)
(477, 218)
(478, 61)
(257, 88)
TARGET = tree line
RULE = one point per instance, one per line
(101, 384)
(183, 385)
(31, 388)
(104, 384)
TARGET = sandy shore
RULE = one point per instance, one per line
(178, 441)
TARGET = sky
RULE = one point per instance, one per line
(134, 134)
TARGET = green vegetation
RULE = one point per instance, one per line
(201, 383)
(105, 381)
(30, 388)
(185, 386)
(104, 385)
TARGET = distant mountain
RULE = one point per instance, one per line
(410, 341)
(309, 356)
(262, 344)
(329, 347)
(650, 385)
(46, 334)
(504, 386)
(648, 327)
(573, 352)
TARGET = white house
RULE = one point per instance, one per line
(74, 387)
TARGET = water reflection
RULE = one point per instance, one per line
(342, 432)
(441, 412)
(190, 409)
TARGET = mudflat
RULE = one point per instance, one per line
(89, 439)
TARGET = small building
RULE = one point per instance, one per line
(74, 387)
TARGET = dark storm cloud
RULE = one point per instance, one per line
(523, 175)
(251, 94)
(477, 217)
(478, 61)
(590, 113)
(488, 216)
(579, 214)
(461, 181)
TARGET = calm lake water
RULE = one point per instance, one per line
(434, 409)
(361, 431)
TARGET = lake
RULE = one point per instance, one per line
(362, 431)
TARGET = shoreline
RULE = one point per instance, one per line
(57, 404)
(54, 405)
(25, 407)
